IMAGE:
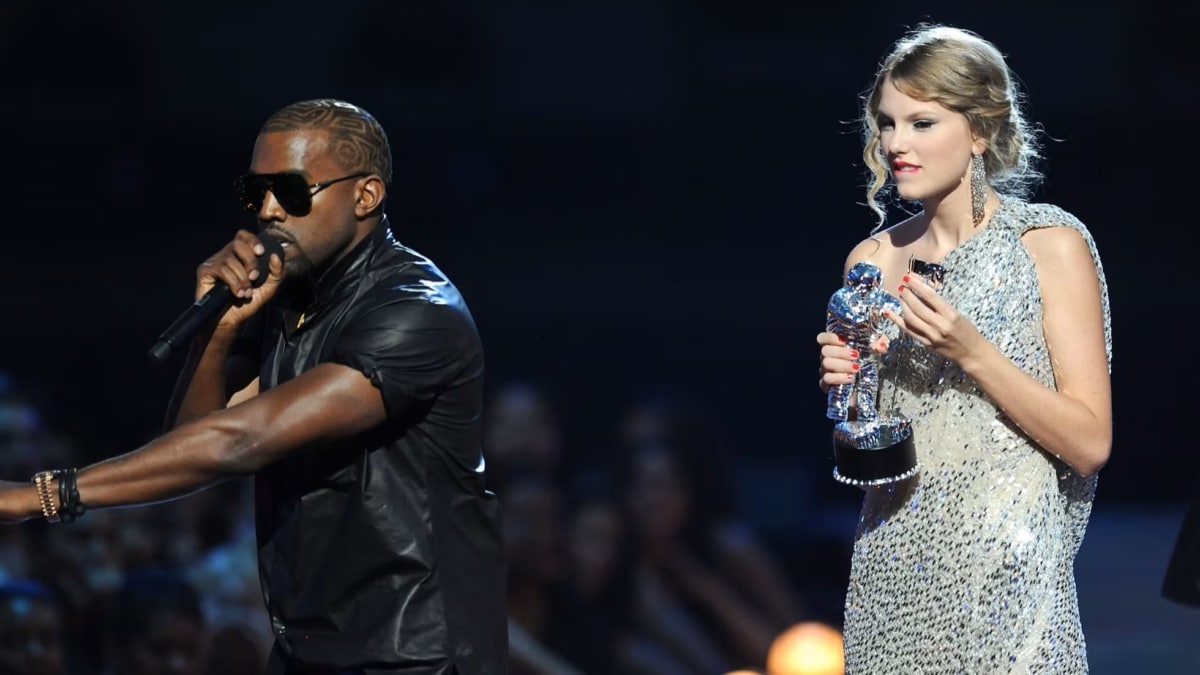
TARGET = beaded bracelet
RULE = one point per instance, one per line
(70, 506)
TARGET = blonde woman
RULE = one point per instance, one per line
(1003, 369)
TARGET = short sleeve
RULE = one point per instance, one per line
(411, 350)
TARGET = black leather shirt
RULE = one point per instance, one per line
(384, 551)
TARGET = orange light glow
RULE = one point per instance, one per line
(809, 648)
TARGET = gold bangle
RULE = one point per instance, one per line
(43, 480)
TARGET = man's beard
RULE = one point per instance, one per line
(298, 265)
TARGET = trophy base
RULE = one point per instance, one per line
(874, 453)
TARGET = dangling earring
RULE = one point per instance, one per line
(978, 188)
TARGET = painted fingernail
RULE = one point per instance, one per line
(854, 366)
(901, 288)
(906, 278)
(854, 353)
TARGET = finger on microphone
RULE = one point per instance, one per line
(272, 249)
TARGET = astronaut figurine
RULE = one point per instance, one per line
(855, 314)
(873, 448)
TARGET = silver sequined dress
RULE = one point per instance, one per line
(967, 567)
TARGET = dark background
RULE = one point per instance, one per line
(629, 194)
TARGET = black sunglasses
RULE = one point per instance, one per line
(291, 190)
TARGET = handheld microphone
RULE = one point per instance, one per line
(209, 306)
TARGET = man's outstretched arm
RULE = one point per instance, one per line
(329, 402)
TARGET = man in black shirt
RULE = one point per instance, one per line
(349, 382)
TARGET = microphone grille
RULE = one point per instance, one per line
(272, 245)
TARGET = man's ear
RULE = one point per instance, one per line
(371, 193)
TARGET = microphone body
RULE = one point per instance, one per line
(209, 306)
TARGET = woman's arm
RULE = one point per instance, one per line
(1072, 421)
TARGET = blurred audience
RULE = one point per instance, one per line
(676, 461)
(31, 630)
(157, 626)
(522, 432)
(709, 597)
(636, 561)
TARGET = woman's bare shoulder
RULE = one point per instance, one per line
(882, 246)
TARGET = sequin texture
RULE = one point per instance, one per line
(967, 566)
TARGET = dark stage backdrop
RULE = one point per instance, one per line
(629, 193)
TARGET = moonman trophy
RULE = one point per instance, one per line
(870, 449)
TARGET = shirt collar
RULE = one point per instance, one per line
(351, 267)
(302, 305)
